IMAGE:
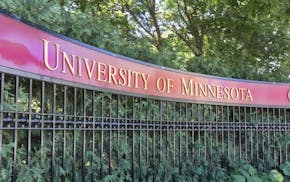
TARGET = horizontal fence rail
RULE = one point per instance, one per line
(117, 124)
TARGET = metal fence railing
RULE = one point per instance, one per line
(84, 134)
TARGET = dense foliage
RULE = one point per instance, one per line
(220, 168)
(240, 39)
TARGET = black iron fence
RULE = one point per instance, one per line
(75, 132)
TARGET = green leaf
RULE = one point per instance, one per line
(244, 173)
(237, 178)
(252, 171)
(254, 179)
(285, 167)
(276, 176)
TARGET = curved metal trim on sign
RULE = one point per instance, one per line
(32, 49)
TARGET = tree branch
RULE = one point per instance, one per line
(137, 20)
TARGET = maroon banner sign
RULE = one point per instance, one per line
(27, 48)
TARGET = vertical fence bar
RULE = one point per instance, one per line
(274, 133)
(93, 137)
(192, 131)
(154, 150)
(133, 138)
(186, 131)
(174, 138)
(199, 121)
(245, 133)
(126, 125)
(285, 134)
(140, 139)
(102, 136)
(118, 128)
(180, 139)
(29, 122)
(160, 129)
(228, 136)
(223, 135)
(212, 121)
(280, 136)
(268, 134)
(147, 137)
(167, 130)
(262, 134)
(234, 132)
(217, 117)
(53, 134)
(251, 135)
(257, 135)
(1, 113)
(65, 119)
(240, 134)
(15, 130)
(204, 121)
(110, 134)
(42, 118)
(84, 136)
(74, 133)
(42, 114)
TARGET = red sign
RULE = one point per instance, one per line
(26, 48)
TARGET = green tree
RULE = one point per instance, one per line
(237, 39)
(240, 39)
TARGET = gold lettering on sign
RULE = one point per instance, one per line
(186, 89)
(249, 96)
(122, 80)
(160, 84)
(70, 64)
(164, 85)
(234, 94)
(89, 69)
(212, 91)
(190, 88)
(129, 78)
(202, 90)
(112, 74)
(227, 93)
(219, 94)
(45, 55)
(102, 72)
(145, 78)
(169, 85)
(76, 65)
(136, 74)
(79, 66)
